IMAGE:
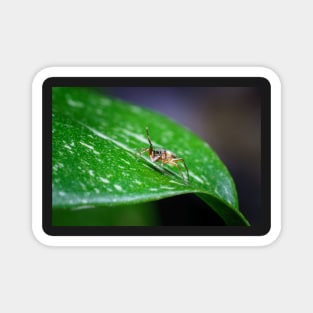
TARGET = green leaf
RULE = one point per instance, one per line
(140, 214)
(95, 163)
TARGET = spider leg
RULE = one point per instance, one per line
(142, 150)
(173, 162)
(182, 160)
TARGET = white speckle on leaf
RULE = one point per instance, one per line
(82, 185)
(62, 193)
(69, 149)
(104, 180)
(118, 187)
(84, 201)
(175, 182)
(196, 177)
(153, 189)
(135, 109)
(206, 182)
(216, 191)
(97, 190)
(166, 187)
(105, 102)
(88, 146)
(74, 103)
(226, 192)
(138, 182)
(91, 173)
(83, 207)
(96, 152)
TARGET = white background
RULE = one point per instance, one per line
(38, 34)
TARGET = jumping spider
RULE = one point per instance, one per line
(164, 156)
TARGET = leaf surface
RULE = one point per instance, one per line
(95, 145)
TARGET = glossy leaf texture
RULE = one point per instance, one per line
(95, 159)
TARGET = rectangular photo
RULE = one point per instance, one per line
(154, 158)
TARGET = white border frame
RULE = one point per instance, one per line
(156, 240)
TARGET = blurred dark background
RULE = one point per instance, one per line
(229, 120)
